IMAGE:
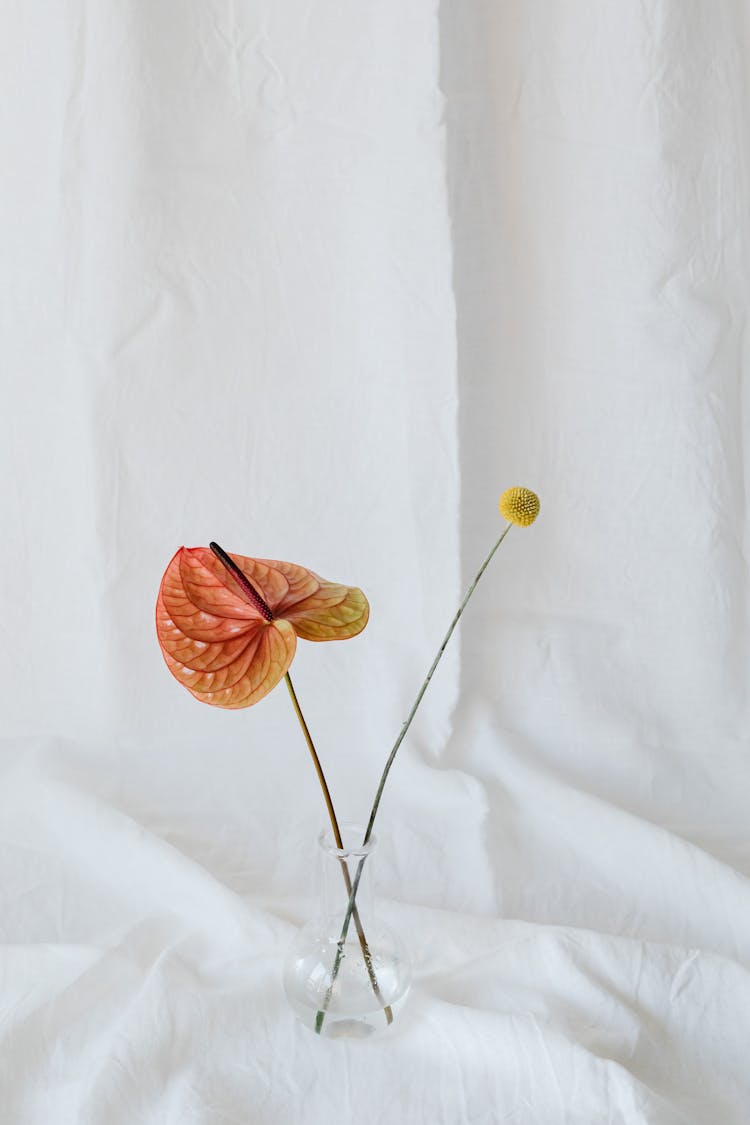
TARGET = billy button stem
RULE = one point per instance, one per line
(520, 506)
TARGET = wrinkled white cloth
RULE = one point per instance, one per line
(318, 281)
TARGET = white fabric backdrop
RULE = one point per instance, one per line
(319, 281)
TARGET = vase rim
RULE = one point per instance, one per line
(349, 832)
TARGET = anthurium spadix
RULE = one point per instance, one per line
(228, 625)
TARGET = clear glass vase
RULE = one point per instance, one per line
(347, 974)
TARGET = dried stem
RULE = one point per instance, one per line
(258, 601)
(340, 845)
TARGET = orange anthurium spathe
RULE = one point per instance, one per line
(228, 625)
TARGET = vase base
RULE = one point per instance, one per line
(347, 1029)
(339, 1025)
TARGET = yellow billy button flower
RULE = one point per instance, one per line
(519, 506)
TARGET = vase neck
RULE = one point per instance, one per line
(341, 864)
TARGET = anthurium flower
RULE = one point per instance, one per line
(228, 625)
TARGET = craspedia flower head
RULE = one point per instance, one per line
(519, 505)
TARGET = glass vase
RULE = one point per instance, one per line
(347, 974)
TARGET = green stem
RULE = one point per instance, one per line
(340, 845)
(391, 757)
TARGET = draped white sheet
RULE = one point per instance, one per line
(318, 280)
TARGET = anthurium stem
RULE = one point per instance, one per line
(257, 600)
(316, 762)
(351, 909)
(391, 757)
